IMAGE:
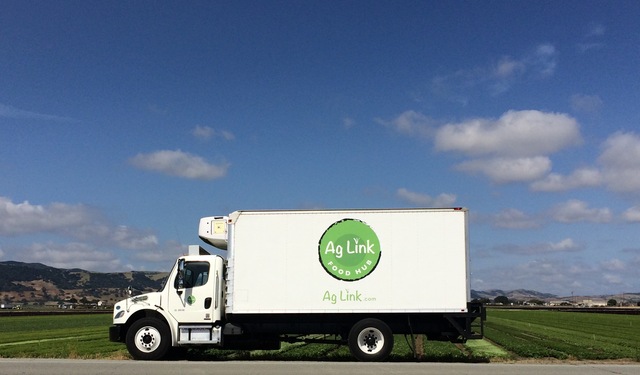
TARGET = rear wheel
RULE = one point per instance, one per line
(370, 340)
(148, 339)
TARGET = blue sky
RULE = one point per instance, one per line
(121, 124)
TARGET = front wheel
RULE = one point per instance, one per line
(370, 340)
(148, 339)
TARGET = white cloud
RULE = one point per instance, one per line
(25, 218)
(130, 238)
(72, 221)
(104, 233)
(585, 103)
(515, 219)
(497, 78)
(70, 255)
(21, 114)
(562, 246)
(93, 242)
(156, 109)
(620, 162)
(613, 279)
(544, 275)
(561, 275)
(618, 168)
(207, 132)
(506, 170)
(425, 200)
(410, 123)
(543, 60)
(575, 211)
(613, 265)
(179, 164)
(596, 30)
(515, 134)
(513, 148)
(163, 255)
(583, 177)
(632, 214)
(348, 122)
(584, 47)
(508, 67)
(592, 38)
(202, 132)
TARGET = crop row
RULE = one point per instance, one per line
(524, 333)
(565, 335)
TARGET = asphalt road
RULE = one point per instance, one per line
(104, 367)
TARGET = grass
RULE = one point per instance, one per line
(58, 336)
(562, 335)
(509, 335)
(487, 350)
(402, 352)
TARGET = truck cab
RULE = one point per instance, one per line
(187, 310)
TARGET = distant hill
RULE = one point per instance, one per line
(35, 282)
(22, 283)
(518, 294)
(524, 295)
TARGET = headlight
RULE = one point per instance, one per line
(119, 315)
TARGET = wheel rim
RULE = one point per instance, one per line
(148, 339)
(370, 340)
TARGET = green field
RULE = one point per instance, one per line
(58, 336)
(563, 335)
(510, 335)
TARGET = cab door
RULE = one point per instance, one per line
(195, 296)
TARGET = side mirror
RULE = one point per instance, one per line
(181, 266)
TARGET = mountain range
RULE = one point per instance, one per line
(22, 283)
(518, 294)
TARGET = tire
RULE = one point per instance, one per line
(370, 340)
(148, 339)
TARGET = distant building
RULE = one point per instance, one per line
(594, 303)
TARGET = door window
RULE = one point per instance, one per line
(195, 274)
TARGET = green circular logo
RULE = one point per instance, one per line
(191, 299)
(349, 250)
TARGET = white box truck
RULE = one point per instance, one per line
(355, 277)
